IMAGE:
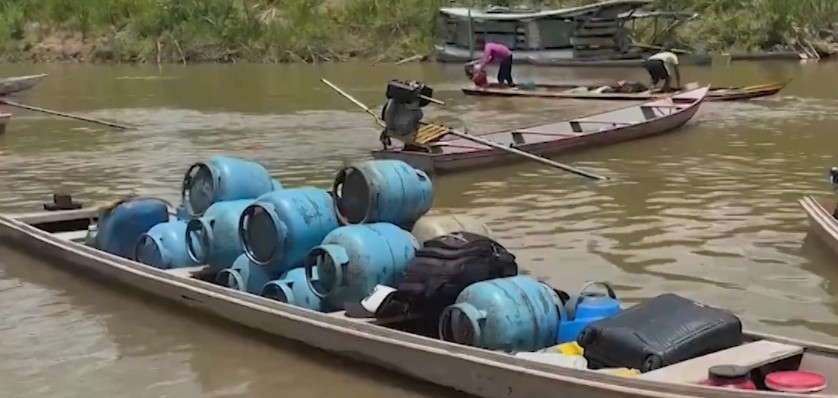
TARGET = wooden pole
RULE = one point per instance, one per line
(470, 33)
(478, 140)
(62, 114)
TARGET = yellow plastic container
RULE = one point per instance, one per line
(571, 349)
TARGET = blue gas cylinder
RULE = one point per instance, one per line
(510, 314)
(223, 178)
(121, 225)
(181, 213)
(280, 227)
(388, 191)
(353, 259)
(216, 234)
(292, 288)
(584, 308)
(164, 246)
(245, 276)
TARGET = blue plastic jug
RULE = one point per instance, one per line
(213, 239)
(353, 259)
(164, 246)
(510, 314)
(527, 86)
(388, 191)
(121, 226)
(584, 308)
(223, 178)
(292, 288)
(244, 275)
(280, 227)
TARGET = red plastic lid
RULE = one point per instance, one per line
(795, 381)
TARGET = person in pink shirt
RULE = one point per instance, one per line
(496, 52)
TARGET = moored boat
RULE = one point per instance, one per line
(582, 91)
(608, 128)
(481, 372)
(821, 214)
(16, 84)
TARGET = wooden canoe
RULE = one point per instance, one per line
(625, 124)
(819, 212)
(5, 118)
(565, 91)
(11, 85)
(54, 237)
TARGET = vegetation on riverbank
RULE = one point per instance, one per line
(330, 30)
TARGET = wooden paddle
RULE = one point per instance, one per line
(6, 101)
(478, 140)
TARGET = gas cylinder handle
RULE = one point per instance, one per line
(570, 308)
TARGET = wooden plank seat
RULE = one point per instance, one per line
(750, 355)
(576, 125)
(518, 137)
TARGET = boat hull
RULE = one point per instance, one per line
(16, 84)
(445, 163)
(821, 221)
(5, 118)
(475, 371)
(558, 91)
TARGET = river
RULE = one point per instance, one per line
(709, 212)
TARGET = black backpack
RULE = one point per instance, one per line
(442, 268)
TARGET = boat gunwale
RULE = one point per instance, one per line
(17, 229)
(821, 220)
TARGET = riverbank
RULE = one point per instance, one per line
(149, 31)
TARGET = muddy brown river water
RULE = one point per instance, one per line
(709, 212)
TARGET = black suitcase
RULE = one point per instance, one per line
(664, 330)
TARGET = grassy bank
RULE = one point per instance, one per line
(330, 30)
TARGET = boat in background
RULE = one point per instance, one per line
(570, 90)
(821, 214)
(591, 35)
(603, 129)
(16, 84)
(56, 236)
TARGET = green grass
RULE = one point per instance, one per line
(328, 30)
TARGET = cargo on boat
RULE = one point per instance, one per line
(611, 92)
(687, 350)
(634, 122)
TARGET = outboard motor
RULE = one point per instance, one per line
(402, 113)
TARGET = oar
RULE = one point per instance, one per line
(478, 140)
(6, 101)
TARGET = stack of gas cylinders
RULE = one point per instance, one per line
(305, 246)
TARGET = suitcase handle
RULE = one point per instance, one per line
(570, 308)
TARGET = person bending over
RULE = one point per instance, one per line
(662, 67)
(496, 52)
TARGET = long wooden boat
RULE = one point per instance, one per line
(566, 90)
(625, 124)
(55, 237)
(820, 212)
(5, 118)
(11, 85)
